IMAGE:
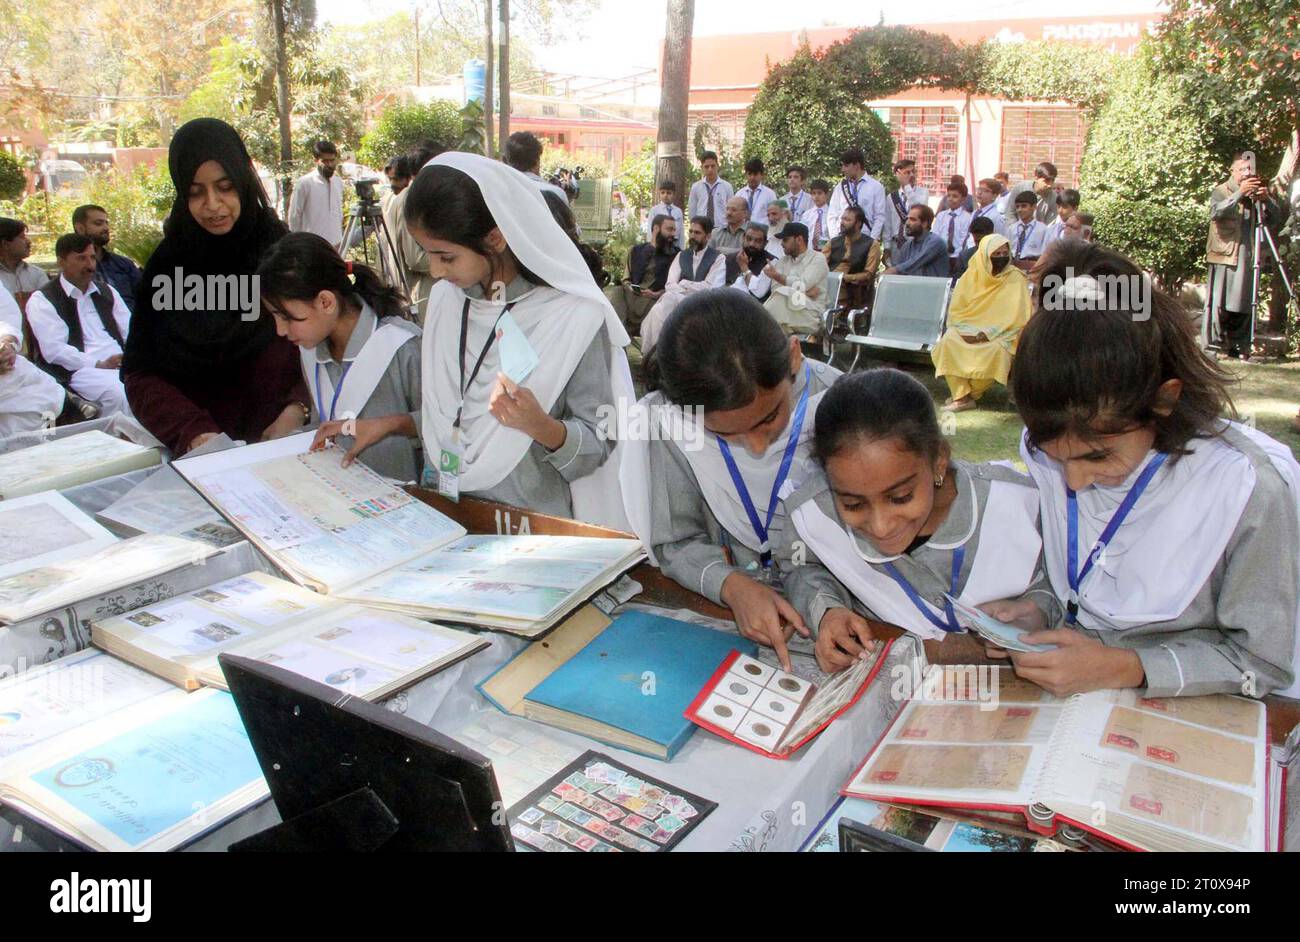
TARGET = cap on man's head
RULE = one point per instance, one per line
(793, 229)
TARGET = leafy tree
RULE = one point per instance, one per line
(1239, 62)
(12, 179)
(1147, 172)
(799, 118)
(1041, 71)
(401, 128)
(882, 60)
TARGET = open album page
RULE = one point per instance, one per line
(522, 578)
(357, 651)
(971, 735)
(149, 777)
(1156, 771)
(45, 528)
(36, 591)
(829, 701)
(192, 629)
(41, 703)
(326, 525)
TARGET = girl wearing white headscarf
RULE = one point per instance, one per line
(730, 420)
(540, 443)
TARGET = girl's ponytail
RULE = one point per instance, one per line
(386, 300)
(302, 265)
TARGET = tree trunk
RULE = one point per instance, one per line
(503, 68)
(672, 152)
(417, 47)
(282, 104)
(487, 81)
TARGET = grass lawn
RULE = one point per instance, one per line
(1267, 391)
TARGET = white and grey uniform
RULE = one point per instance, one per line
(684, 533)
(580, 375)
(993, 521)
(382, 379)
(1203, 578)
(541, 480)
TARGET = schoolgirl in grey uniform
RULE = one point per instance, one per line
(360, 352)
(1171, 534)
(542, 443)
(890, 524)
(732, 418)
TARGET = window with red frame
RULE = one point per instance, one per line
(928, 136)
(1033, 135)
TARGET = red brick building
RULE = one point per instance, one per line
(942, 130)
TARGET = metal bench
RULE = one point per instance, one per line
(908, 315)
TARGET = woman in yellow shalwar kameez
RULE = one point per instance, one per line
(989, 308)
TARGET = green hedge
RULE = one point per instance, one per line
(136, 202)
(799, 117)
(1168, 241)
(12, 179)
(401, 128)
(1151, 160)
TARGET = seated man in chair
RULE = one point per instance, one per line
(80, 325)
(799, 278)
(699, 268)
(647, 274)
(856, 256)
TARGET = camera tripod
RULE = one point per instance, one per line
(368, 219)
(1264, 237)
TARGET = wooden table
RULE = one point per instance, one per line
(480, 517)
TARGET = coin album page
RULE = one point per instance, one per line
(769, 711)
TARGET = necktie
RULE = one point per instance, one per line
(713, 212)
(1020, 242)
(952, 224)
(817, 230)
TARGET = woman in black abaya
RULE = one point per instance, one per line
(215, 365)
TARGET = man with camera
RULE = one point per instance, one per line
(1238, 207)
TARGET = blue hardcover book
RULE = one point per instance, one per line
(628, 685)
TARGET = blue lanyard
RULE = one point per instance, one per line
(1076, 576)
(951, 625)
(796, 426)
(338, 390)
(795, 204)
